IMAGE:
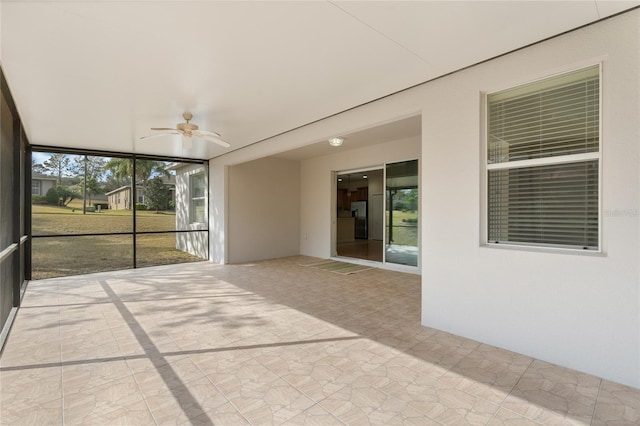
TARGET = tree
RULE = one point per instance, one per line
(156, 195)
(37, 167)
(95, 166)
(91, 169)
(93, 187)
(58, 165)
(122, 170)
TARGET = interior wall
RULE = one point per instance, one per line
(317, 200)
(263, 210)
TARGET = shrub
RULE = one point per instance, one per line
(141, 206)
(38, 199)
(52, 197)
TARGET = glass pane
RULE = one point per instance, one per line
(551, 117)
(401, 221)
(60, 203)
(170, 248)
(553, 205)
(63, 256)
(360, 215)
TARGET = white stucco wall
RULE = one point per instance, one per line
(578, 310)
(571, 308)
(264, 210)
(194, 243)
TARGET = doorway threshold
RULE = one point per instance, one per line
(380, 265)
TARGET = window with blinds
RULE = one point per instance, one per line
(543, 162)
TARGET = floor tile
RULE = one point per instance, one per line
(272, 343)
(550, 394)
(617, 405)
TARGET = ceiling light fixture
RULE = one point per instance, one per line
(364, 176)
(336, 141)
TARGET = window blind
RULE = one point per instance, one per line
(543, 119)
(543, 154)
(556, 204)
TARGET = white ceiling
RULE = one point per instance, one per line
(98, 74)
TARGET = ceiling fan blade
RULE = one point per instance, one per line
(201, 133)
(187, 142)
(164, 128)
(211, 136)
(159, 134)
(217, 140)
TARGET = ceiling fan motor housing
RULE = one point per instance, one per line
(187, 127)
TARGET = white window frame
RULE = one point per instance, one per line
(193, 199)
(564, 159)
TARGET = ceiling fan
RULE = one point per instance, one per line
(187, 130)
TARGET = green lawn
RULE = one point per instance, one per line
(54, 257)
(405, 227)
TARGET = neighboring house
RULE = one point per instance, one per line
(120, 198)
(40, 183)
(190, 191)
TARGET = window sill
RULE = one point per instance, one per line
(540, 249)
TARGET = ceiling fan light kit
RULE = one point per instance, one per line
(187, 130)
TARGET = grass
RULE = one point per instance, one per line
(405, 227)
(59, 220)
(54, 257)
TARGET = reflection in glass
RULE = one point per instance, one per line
(360, 214)
(56, 257)
(401, 222)
(170, 248)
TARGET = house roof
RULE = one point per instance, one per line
(40, 176)
(248, 70)
(121, 189)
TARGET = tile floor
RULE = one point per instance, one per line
(271, 343)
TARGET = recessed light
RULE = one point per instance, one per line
(364, 176)
(336, 141)
(339, 179)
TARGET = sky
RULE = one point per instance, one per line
(40, 157)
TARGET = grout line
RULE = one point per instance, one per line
(595, 403)
(62, 399)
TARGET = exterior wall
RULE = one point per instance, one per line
(575, 309)
(121, 203)
(264, 210)
(572, 308)
(190, 242)
(44, 185)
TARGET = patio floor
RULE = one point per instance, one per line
(269, 343)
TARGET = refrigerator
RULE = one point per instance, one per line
(359, 213)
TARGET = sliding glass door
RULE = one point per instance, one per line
(401, 219)
(377, 214)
